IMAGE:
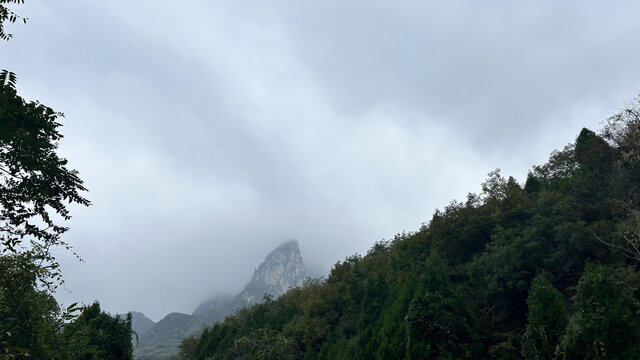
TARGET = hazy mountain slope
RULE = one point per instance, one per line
(282, 269)
(161, 340)
(140, 323)
(212, 304)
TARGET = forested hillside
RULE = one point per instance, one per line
(541, 270)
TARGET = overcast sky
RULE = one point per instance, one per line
(208, 132)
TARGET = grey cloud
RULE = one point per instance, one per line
(208, 133)
(486, 67)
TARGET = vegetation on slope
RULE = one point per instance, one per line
(543, 270)
(33, 326)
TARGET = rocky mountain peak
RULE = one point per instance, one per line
(282, 268)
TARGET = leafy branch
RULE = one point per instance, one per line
(7, 15)
(35, 184)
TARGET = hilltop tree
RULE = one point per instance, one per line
(622, 130)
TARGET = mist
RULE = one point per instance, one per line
(209, 133)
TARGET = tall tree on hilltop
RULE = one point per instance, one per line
(622, 131)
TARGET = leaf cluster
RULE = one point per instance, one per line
(8, 16)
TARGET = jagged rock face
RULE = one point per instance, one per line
(283, 268)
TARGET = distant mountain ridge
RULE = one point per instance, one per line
(140, 323)
(282, 269)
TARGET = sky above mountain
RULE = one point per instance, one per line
(210, 132)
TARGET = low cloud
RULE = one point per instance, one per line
(208, 133)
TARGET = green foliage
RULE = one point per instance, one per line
(98, 335)
(437, 328)
(35, 189)
(32, 325)
(476, 281)
(188, 348)
(546, 320)
(605, 324)
(627, 237)
(29, 318)
(438, 321)
(622, 130)
(35, 184)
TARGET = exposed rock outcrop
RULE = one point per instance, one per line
(283, 268)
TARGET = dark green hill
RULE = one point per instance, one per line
(535, 271)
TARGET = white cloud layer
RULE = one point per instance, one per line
(209, 132)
